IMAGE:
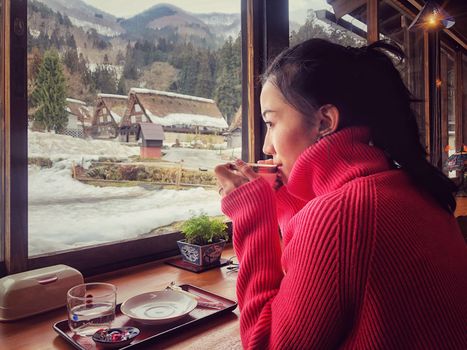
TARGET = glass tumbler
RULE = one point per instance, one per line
(91, 306)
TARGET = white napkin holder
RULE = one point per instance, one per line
(32, 292)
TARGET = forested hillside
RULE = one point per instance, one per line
(163, 48)
(169, 59)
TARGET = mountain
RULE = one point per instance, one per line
(85, 16)
(165, 19)
(222, 24)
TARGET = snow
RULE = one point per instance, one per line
(34, 33)
(72, 100)
(123, 97)
(169, 94)
(102, 30)
(65, 213)
(188, 119)
(116, 116)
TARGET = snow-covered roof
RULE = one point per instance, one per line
(117, 117)
(123, 97)
(188, 119)
(169, 94)
(72, 100)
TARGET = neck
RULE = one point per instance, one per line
(335, 160)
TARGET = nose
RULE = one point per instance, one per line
(268, 148)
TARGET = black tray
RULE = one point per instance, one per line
(150, 333)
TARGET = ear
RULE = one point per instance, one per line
(328, 118)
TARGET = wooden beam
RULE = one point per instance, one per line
(266, 26)
(344, 7)
(252, 65)
(459, 100)
(4, 128)
(373, 21)
(16, 206)
(444, 106)
(426, 79)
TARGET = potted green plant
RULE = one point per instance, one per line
(204, 241)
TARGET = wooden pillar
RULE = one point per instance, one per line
(4, 111)
(444, 107)
(459, 101)
(434, 100)
(16, 147)
(252, 24)
(373, 21)
(426, 93)
(265, 25)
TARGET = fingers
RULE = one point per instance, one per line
(228, 178)
(245, 169)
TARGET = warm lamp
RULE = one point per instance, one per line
(432, 17)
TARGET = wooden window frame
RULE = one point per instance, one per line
(265, 32)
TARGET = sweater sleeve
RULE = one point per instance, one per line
(293, 306)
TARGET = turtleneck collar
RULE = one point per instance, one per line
(335, 160)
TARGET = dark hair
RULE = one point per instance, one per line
(367, 89)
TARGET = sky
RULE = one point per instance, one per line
(125, 8)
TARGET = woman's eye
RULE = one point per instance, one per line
(268, 124)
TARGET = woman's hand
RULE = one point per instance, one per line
(233, 175)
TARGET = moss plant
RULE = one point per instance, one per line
(202, 230)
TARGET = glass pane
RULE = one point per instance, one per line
(394, 25)
(130, 109)
(2, 129)
(316, 19)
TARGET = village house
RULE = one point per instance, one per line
(233, 135)
(174, 112)
(79, 118)
(108, 115)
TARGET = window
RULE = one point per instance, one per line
(90, 185)
(447, 84)
(394, 26)
(318, 19)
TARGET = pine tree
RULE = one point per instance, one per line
(71, 60)
(121, 87)
(228, 83)
(49, 95)
(36, 63)
(205, 79)
(105, 79)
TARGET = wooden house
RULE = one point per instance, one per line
(108, 115)
(79, 118)
(234, 133)
(152, 137)
(174, 112)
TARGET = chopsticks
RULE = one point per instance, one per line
(202, 302)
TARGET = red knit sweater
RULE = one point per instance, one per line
(367, 262)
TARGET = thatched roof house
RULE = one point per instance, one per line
(108, 115)
(175, 112)
(80, 110)
(234, 133)
(79, 118)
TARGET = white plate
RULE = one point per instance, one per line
(158, 307)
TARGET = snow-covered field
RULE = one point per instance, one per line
(65, 213)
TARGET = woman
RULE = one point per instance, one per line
(371, 256)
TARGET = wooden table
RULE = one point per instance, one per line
(223, 333)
